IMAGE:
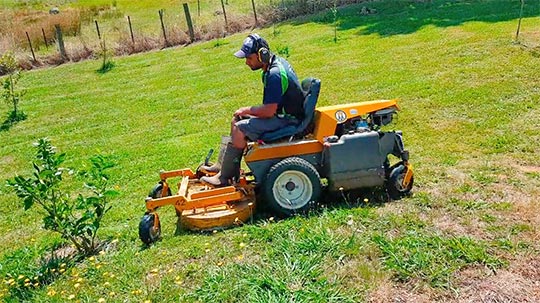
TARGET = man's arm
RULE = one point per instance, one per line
(262, 111)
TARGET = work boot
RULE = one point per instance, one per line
(230, 168)
(216, 167)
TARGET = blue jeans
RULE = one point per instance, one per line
(253, 128)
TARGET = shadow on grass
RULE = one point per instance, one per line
(406, 17)
(12, 118)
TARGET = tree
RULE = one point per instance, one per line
(12, 96)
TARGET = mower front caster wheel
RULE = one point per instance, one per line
(149, 232)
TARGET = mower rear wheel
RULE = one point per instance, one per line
(291, 185)
(394, 184)
(148, 233)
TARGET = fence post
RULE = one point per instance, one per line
(189, 22)
(163, 26)
(31, 48)
(131, 30)
(60, 39)
(254, 12)
(224, 15)
(97, 29)
(44, 38)
(520, 17)
(199, 8)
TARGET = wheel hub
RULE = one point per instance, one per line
(292, 189)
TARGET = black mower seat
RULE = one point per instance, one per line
(311, 87)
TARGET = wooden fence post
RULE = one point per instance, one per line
(163, 26)
(31, 48)
(224, 14)
(60, 39)
(131, 30)
(44, 38)
(199, 8)
(189, 22)
(520, 17)
(97, 29)
(254, 12)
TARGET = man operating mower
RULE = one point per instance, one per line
(282, 106)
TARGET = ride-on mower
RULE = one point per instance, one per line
(342, 144)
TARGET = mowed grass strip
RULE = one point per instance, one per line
(470, 118)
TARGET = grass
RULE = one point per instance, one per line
(469, 99)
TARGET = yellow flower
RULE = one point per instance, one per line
(207, 250)
(101, 300)
(63, 265)
(106, 284)
(10, 281)
(240, 257)
(77, 285)
(98, 266)
(242, 245)
(102, 252)
(170, 270)
(71, 297)
(112, 293)
(112, 276)
(26, 280)
(20, 277)
(79, 280)
(91, 258)
(51, 293)
(271, 219)
(366, 200)
(62, 270)
(147, 301)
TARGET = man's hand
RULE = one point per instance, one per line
(263, 111)
(243, 111)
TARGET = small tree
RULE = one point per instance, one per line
(76, 219)
(12, 96)
(105, 54)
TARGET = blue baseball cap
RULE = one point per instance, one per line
(251, 45)
(248, 48)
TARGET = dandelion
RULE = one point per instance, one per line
(26, 280)
(112, 293)
(77, 285)
(36, 284)
(214, 231)
(51, 292)
(106, 284)
(27, 284)
(245, 235)
(63, 265)
(170, 270)
(112, 276)
(207, 250)
(101, 300)
(10, 281)
(20, 277)
(91, 258)
(71, 297)
(271, 219)
(62, 270)
(79, 280)
(366, 200)
(147, 301)
(242, 245)
(220, 263)
(240, 257)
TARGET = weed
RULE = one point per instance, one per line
(431, 258)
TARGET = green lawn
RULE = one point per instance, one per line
(470, 117)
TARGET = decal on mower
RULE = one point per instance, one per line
(341, 116)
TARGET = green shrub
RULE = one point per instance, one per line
(77, 220)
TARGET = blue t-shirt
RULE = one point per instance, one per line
(281, 86)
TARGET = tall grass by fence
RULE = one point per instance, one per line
(127, 34)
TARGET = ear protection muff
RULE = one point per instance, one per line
(263, 53)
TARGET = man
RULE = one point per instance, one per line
(283, 102)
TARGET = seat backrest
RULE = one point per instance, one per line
(312, 87)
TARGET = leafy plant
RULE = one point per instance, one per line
(77, 220)
(12, 96)
(105, 54)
